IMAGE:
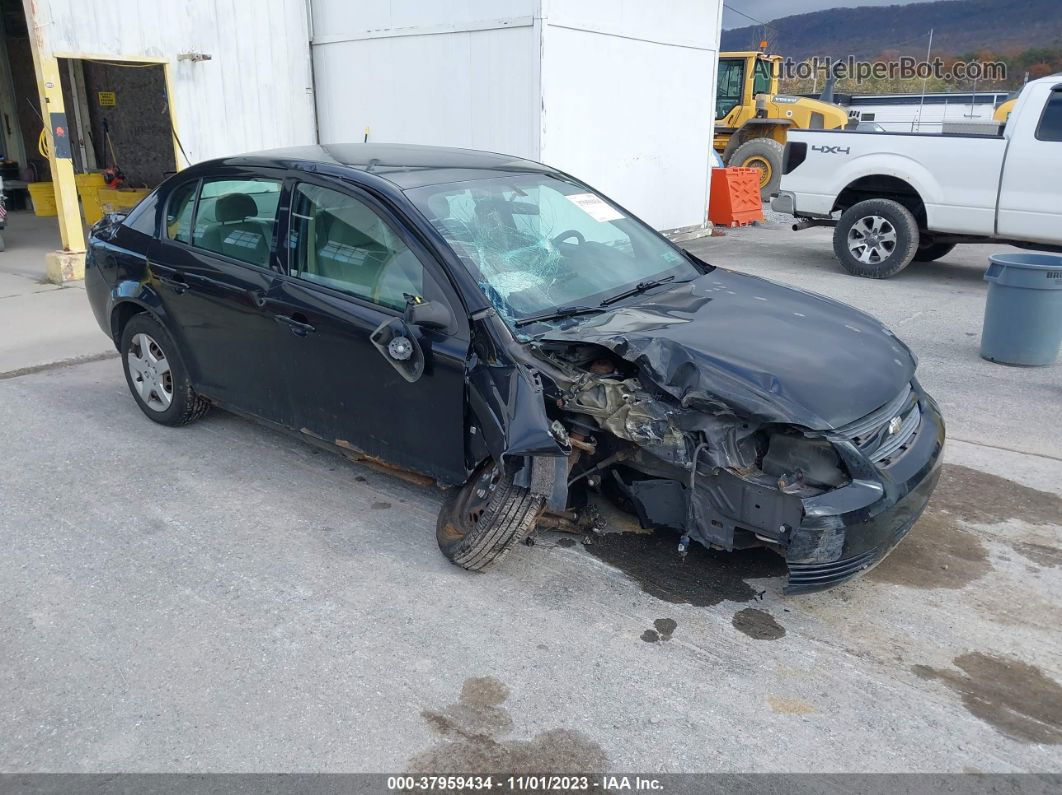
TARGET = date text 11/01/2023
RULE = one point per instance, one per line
(530, 783)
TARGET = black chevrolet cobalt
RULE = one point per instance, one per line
(502, 329)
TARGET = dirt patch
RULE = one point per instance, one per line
(981, 498)
(789, 706)
(935, 554)
(664, 628)
(381, 506)
(1040, 554)
(1015, 698)
(566, 542)
(704, 578)
(472, 729)
(757, 624)
(938, 553)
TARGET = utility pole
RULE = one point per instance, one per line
(922, 104)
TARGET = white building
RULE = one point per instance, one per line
(912, 113)
(617, 92)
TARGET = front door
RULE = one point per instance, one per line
(1029, 208)
(351, 269)
(216, 265)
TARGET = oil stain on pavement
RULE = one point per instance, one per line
(1015, 698)
(471, 732)
(938, 553)
(704, 578)
(757, 624)
(663, 629)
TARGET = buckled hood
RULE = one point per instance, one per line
(774, 353)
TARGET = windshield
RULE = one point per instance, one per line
(537, 243)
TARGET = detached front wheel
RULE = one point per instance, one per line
(876, 238)
(486, 517)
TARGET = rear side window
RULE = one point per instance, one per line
(237, 218)
(1050, 128)
(179, 212)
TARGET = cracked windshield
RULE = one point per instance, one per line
(538, 244)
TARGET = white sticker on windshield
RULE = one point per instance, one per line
(594, 206)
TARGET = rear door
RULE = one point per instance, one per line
(215, 264)
(352, 267)
(1029, 208)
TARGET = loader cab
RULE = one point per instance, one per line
(742, 77)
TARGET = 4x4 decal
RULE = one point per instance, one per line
(832, 150)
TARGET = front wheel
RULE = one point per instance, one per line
(876, 238)
(764, 155)
(486, 517)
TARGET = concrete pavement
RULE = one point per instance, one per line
(226, 598)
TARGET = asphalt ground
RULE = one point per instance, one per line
(226, 598)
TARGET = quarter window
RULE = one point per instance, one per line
(179, 212)
(237, 218)
(1050, 128)
(142, 217)
(339, 242)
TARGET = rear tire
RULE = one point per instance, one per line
(876, 238)
(156, 375)
(486, 517)
(764, 154)
(930, 252)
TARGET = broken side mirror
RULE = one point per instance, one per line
(396, 343)
(428, 314)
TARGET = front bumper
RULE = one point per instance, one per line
(839, 539)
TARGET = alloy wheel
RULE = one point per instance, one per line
(872, 239)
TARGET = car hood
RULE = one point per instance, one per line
(774, 353)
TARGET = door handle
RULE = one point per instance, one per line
(297, 323)
(175, 283)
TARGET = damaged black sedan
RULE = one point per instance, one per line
(499, 328)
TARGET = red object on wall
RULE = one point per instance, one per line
(734, 199)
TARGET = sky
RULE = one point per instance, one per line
(766, 10)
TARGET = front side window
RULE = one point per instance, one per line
(237, 218)
(731, 83)
(1050, 128)
(339, 242)
(179, 212)
(536, 242)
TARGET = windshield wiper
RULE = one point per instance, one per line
(639, 288)
(558, 314)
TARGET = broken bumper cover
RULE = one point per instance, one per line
(850, 530)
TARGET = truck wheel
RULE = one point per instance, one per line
(929, 252)
(483, 519)
(876, 238)
(764, 154)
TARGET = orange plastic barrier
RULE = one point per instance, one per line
(735, 197)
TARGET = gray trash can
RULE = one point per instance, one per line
(1023, 314)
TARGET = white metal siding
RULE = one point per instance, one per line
(462, 88)
(628, 101)
(618, 92)
(254, 93)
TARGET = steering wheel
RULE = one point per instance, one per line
(570, 233)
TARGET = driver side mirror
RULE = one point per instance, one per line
(429, 314)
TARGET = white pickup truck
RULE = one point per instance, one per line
(899, 197)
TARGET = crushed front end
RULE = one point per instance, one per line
(833, 502)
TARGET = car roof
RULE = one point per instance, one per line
(406, 165)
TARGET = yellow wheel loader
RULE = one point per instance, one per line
(752, 118)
